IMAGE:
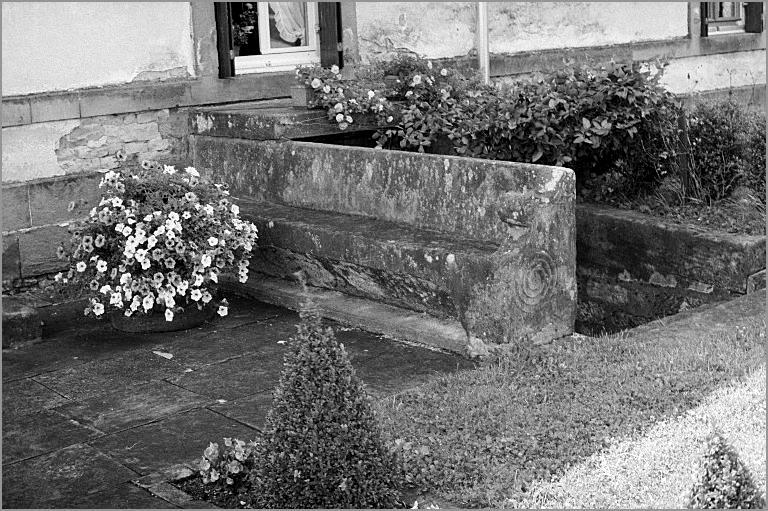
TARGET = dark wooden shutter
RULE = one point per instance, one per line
(329, 16)
(753, 17)
(224, 41)
(704, 14)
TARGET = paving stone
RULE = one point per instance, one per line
(251, 410)
(234, 378)
(26, 396)
(122, 496)
(39, 433)
(132, 406)
(177, 439)
(361, 345)
(56, 479)
(125, 370)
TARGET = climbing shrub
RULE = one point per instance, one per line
(322, 447)
(725, 482)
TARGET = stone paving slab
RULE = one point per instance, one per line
(234, 378)
(251, 410)
(173, 440)
(26, 396)
(100, 376)
(89, 409)
(64, 476)
(39, 433)
(122, 496)
(132, 406)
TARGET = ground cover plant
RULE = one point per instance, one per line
(483, 437)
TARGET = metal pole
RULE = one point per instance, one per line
(483, 53)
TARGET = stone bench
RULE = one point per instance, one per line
(488, 244)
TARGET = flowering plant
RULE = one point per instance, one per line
(157, 242)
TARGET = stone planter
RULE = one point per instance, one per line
(303, 96)
(190, 317)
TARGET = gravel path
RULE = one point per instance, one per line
(657, 470)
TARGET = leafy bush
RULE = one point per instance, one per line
(728, 150)
(725, 483)
(321, 446)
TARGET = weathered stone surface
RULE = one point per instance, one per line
(37, 249)
(21, 322)
(56, 479)
(11, 259)
(653, 251)
(60, 199)
(251, 410)
(15, 207)
(756, 281)
(26, 396)
(129, 368)
(258, 373)
(41, 432)
(132, 406)
(121, 496)
(266, 121)
(523, 289)
(180, 439)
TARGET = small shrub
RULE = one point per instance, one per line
(728, 150)
(321, 446)
(725, 483)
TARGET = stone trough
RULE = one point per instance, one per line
(484, 247)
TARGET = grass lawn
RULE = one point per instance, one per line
(487, 437)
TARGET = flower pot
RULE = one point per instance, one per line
(190, 317)
(303, 96)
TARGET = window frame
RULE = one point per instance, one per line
(751, 20)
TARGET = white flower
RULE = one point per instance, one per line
(390, 118)
(416, 80)
(223, 311)
(127, 231)
(168, 315)
(145, 264)
(214, 277)
(339, 117)
(444, 72)
(207, 297)
(338, 107)
(213, 241)
(181, 287)
(169, 169)
(205, 260)
(148, 302)
(160, 231)
(186, 215)
(106, 288)
(349, 119)
(199, 280)
(98, 308)
(243, 276)
(316, 83)
(58, 277)
(429, 64)
(80, 267)
(326, 89)
(148, 218)
(409, 94)
(208, 209)
(235, 209)
(115, 299)
(135, 303)
(101, 266)
(195, 294)
(335, 69)
(151, 241)
(371, 94)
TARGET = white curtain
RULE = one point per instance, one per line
(289, 19)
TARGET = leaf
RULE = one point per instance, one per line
(163, 354)
(585, 122)
(537, 155)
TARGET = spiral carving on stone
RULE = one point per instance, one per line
(534, 280)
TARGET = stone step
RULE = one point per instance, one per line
(495, 294)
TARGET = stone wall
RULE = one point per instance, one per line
(64, 159)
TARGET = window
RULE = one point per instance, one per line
(731, 17)
(275, 36)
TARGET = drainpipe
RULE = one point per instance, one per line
(483, 54)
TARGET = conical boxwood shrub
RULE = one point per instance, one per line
(725, 482)
(321, 446)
